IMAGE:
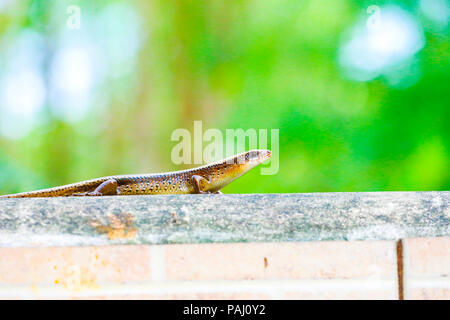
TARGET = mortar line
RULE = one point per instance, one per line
(158, 263)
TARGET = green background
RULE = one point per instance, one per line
(160, 65)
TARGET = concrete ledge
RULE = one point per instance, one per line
(92, 221)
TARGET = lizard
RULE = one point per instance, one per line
(206, 179)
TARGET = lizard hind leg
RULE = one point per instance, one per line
(199, 184)
(106, 188)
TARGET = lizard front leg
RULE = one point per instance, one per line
(106, 188)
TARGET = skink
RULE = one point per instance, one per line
(209, 178)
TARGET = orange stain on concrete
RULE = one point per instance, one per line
(119, 226)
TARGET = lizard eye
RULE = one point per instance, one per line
(252, 155)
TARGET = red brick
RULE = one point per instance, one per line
(302, 260)
(429, 294)
(182, 296)
(74, 267)
(333, 294)
(427, 257)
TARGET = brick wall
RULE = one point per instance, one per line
(285, 270)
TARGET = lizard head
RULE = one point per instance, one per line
(256, 156)
(235, 166)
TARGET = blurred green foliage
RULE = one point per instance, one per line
(233, 64)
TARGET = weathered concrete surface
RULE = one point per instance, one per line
(223, 218)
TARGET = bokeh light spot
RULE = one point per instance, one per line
(377, 50)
